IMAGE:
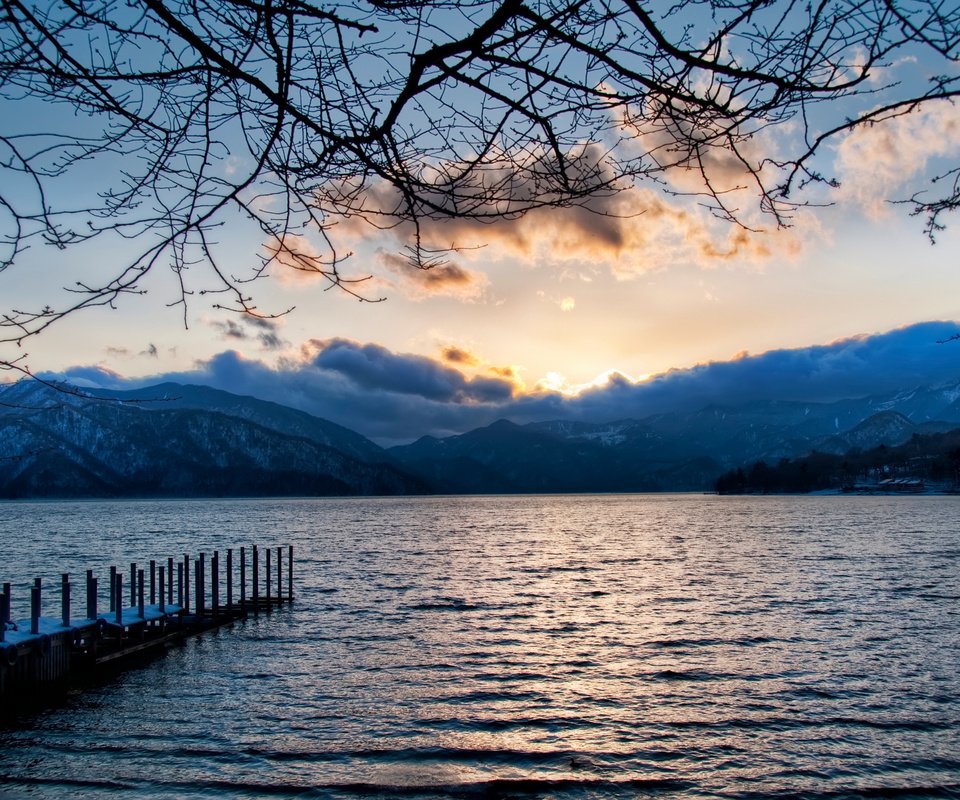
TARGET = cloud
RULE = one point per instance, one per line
(563, 303)
(445, 278)
(92, 378)
(264, 331)
(629, 230)
(876, 161)
(229, 329)
(511, 373)
(457, 355)
(397, 397)
(375, 368)
(854, 367)
(392, 398)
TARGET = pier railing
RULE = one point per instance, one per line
(162, 603)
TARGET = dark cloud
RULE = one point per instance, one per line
(271, 341)
(150, 352)
(229, 329)
(386, 410)
(395, 397)
(856, 367)
(264, 331)
(373, 367)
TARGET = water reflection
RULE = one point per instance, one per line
(569, 646)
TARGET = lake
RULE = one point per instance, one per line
(668, 646)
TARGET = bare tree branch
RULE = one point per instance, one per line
(290, 116)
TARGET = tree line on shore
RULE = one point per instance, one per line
(926, 459)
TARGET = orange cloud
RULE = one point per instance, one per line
(457, 355)
(446, 278)
(472, 363)
(506, 372)
(465, 359)
(629, 232)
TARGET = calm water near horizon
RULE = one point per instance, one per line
(666, 646)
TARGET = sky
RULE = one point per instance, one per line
(642, 302)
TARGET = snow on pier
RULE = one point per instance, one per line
(161, 604)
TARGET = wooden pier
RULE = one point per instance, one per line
(160, 604)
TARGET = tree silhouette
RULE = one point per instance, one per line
(177, 116)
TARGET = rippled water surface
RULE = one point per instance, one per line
(568, 647)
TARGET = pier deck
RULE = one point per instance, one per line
(40, 655)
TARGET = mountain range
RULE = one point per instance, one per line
(177, 440)
(180, 441)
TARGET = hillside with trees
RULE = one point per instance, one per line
(927, 462)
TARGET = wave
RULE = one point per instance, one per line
(493, 789)
(779, 723)
(912, 792)
(445, 604)
(694, 675)
(746, 641)
(592, 787)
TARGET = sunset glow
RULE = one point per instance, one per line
(592, 369)
(599, 295)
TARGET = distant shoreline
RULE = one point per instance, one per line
(440, 496)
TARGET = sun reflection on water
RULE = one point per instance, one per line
(602, 645)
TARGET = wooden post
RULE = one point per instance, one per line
(198, 587)
(3, 613)
(268, 575)
(186, 582)
(279, 574)
(290, 573)
(255, 593)
(215, 582)
(230, 578)
(113, 588)
(170, 581)
(243, 578)
(118, 597)
(91, 596)
(5, 605)
(65, 600)
(133, 583)
(201, 583)
(180, 586)
(163, 589)
(35, 606)
(140, 594)
(153, 582)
